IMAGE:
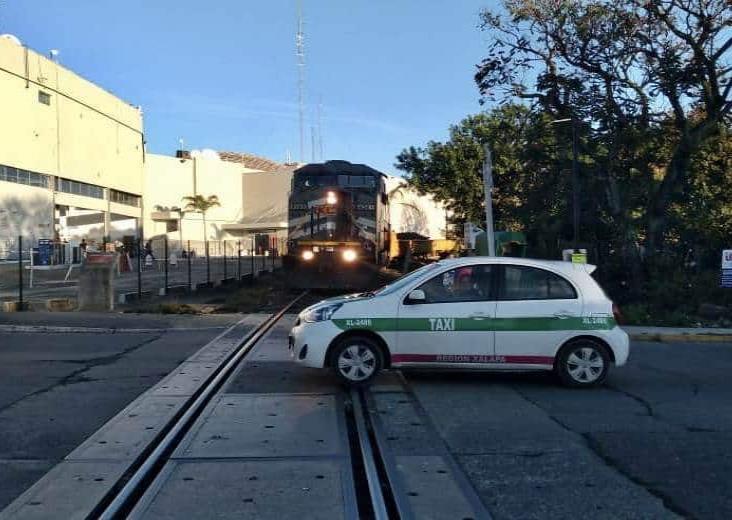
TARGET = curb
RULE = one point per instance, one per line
(682, 338)
(51, 329)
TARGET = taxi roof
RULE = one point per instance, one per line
(558, 265)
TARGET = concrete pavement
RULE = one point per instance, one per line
(654, 442)
(679, 334)
(57, 389)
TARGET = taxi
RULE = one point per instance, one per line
(479, 313)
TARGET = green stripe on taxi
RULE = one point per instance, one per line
(447, 324)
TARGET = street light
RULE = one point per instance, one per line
(575, 179)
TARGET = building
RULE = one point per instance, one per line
(73, 165)
(72, 154)
(252, 193)
(410, 212)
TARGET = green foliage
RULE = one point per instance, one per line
(200, 204)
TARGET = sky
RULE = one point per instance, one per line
(222, 74)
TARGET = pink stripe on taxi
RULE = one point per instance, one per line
(471, 358)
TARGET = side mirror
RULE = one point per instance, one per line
(416, 296)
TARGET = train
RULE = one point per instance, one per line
(338, 222)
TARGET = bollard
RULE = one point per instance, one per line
(96, 282)
(189, 266)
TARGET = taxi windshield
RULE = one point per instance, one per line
(403, 281)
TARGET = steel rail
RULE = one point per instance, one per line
(134, 487)
(367, 454)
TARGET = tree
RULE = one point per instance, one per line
(201, 204)
(626, 67)
(530, 192)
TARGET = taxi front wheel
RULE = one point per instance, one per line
(583, 363)
(357, 360)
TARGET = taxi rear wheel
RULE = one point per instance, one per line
(583, 363)
(357, 360)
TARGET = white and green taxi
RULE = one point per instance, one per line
(479, 313)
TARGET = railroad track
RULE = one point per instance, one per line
(375, 486)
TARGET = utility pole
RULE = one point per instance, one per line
(575, 187)
(575, 181)
(300, 53)
(488, 188)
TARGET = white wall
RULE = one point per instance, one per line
(24, 210)
(415, 213)
(169, 179)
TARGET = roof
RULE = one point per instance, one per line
(335, 167)
(554, 265)
(251, 161)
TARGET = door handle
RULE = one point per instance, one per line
(562, 315)
(479, 316)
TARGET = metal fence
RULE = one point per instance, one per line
(32, 269)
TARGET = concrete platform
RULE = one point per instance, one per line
(255, 489)
(69, 491)
(241, 425)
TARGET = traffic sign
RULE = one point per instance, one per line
(727, 259)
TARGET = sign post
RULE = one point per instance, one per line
(726, 279)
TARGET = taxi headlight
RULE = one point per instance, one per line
(349, 255)
(308, 255)
(320, 313)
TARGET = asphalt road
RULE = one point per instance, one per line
(57, 389)
(655, 442)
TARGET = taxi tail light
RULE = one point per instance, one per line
(617, 314)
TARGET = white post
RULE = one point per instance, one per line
(488, 187)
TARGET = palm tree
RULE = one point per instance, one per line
(201, 204)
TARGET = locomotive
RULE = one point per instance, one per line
(338, 219)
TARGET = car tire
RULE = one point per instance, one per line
(582, 363)
(356, 360)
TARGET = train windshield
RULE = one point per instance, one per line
(345, 181)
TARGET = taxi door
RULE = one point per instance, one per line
(537, 311)
(453, 326)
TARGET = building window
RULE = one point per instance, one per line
(44, 97)
(20, 176)
(121, 197)
(80, 188)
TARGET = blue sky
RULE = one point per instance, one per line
(221, 74)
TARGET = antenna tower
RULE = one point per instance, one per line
(300, 53)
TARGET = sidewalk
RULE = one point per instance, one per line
(679, 334)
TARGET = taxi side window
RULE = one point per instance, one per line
(463, 284)
(529, 283)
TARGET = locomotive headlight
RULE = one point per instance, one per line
(308, 255)
(331, 198)
(349, 255)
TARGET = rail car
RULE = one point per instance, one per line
(338, 224)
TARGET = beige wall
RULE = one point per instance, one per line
(265, 197)
(169, 179)
(85, 134)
